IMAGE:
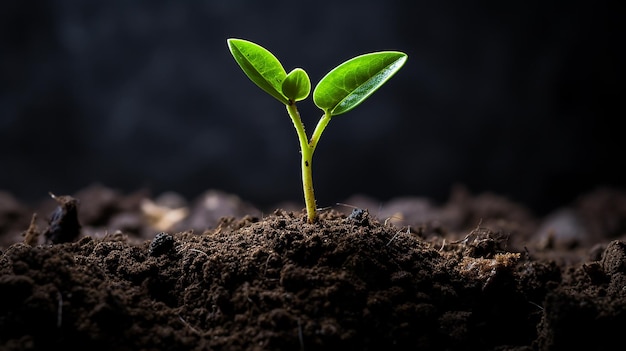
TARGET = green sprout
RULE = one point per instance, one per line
(339, 91)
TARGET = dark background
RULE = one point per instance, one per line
(516, 98)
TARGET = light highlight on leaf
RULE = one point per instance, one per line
(350, 83)
(260, 65)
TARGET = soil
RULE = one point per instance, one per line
(106, 270)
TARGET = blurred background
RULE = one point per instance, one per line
(515, 98)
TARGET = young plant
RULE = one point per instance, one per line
(339, 91)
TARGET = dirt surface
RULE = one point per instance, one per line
(103, 270)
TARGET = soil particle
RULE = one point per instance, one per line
(63, 225)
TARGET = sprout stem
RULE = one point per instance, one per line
(307, 148)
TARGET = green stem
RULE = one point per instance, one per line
(321, 125)
(307, 148)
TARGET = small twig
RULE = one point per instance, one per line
(466, 238)
(535, 304)
(185, 247)
(31, 235)
(346, 205)
(198, 251)
(267, 262)
(300, 336)
(408, 231)
(188, 325)
(389, 219)
(393, 237)
(59, 309)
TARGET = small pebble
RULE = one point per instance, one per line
(161, 244)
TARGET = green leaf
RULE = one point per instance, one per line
(297, 85)
(260, 65)
(350, 83)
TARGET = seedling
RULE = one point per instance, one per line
(339, 91)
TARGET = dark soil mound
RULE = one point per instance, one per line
(478, 273)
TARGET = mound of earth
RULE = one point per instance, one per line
(104, 270)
